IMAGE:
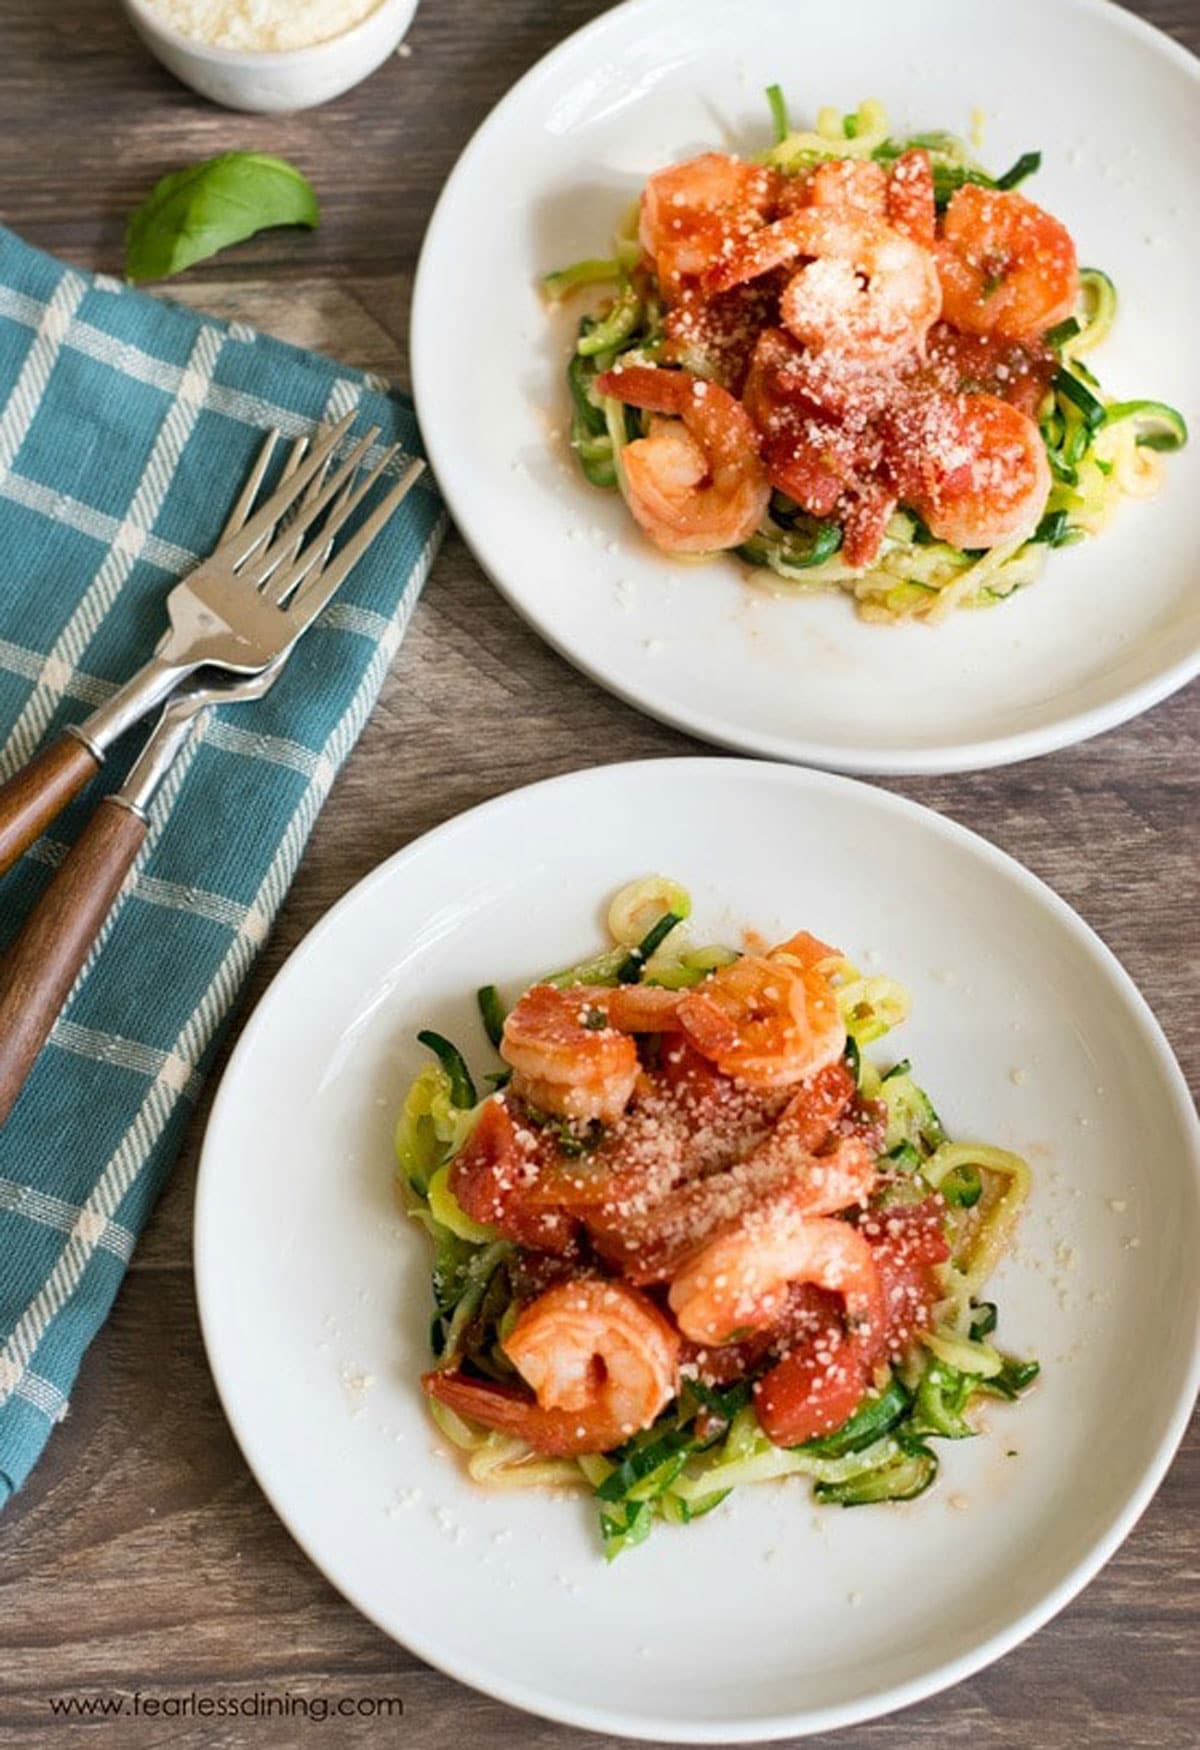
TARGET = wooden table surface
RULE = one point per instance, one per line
(141, 1554)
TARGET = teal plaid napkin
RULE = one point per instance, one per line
(126, 427)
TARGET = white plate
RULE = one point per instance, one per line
(771, 1617)
(1112, 627)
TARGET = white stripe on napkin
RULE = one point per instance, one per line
(56, 1212)
(100, 597)
(133, 1151)
(52, 324)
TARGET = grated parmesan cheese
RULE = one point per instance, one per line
(258, 26)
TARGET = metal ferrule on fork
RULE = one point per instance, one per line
(241, 609)
(237, 619)
(128, 705)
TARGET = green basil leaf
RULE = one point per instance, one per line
(196, 212)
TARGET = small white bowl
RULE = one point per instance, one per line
(281, 80)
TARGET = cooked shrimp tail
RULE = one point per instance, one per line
(696, 484)
(601, 1360)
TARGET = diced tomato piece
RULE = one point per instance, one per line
(911, 1232)
(813, 1389)
(545, 1230)
(761, 396)
(907, 1241)
(866, 512)
(693, 1080)
(819, 441)
(532, 1273)
(1018, 372)
(489, 1166)
(491, 1178)
(717, 335)
(722, 1364)
(808, 1312)
(574, 1183)
(805, 463)
(812, 1113)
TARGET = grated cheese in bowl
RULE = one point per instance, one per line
(261, 26)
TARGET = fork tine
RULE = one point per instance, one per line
(237, 549)
(294, 457)
(292, 462)
(310, 492)
(309, 600)
(294, 570)
(249, 492)
(308, 512)
(343, 507)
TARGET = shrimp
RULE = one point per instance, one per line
(653, 1246)
(867, 291)
(973, 466)
(638, 1008)
(824, 1373)
(601, 1360)
(695, 484)
(853, 185)
(689, 212)
(1007, 267)
(909, 199)
(806, 950)
(566, 1057)
(568, 1049)
(739, 1282)
(806, 1313)
(769, 1021)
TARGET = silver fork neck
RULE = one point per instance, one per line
(129, 704)
(165, 742)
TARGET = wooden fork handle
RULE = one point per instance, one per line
(40, 791)
(39, 969)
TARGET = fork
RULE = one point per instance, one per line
(40, 968)
(239, 610)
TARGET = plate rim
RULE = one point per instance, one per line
(727, 1730)
(953, 757)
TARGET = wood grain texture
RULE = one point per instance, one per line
(39, 792)
(141, 1554)
(40, 967)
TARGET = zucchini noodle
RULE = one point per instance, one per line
(1109, 451)
(640, 904)
(500, 1461)
(709, 1441)
(860, 135)
(989, 1228)
(870, 1007)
